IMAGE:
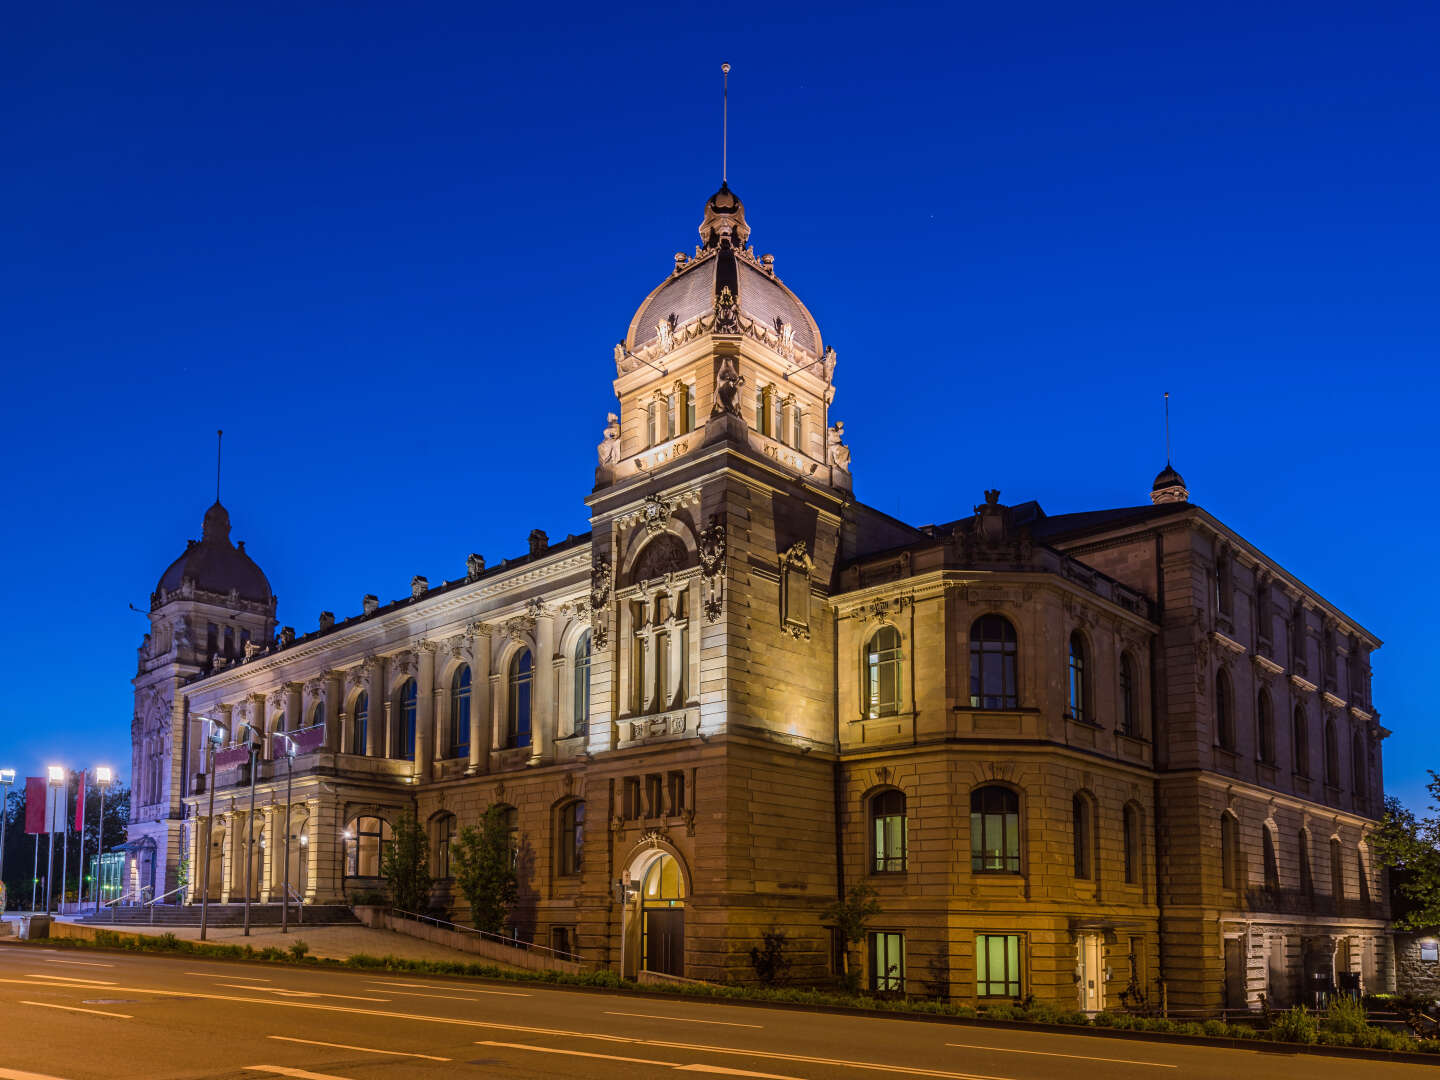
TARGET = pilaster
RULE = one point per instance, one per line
(425, 714)
(542, 720)
(479, 698)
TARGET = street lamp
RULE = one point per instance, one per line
(250, 832)
(212, 740)
(289, 775)
(103, 778)
(55, 774)
(7, 779)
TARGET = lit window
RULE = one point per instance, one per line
(888, 832)
(887, 962)
(994, 830)
(1078, 687)
(992, 664)
(882, 673)
(366, 839)
(997, 965)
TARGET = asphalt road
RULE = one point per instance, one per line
(99, 1016)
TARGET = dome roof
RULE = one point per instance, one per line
(216, 565)
(723, 259)
(1169, 486)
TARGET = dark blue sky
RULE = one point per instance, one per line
(389, 248)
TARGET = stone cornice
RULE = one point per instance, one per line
(1228, 643)
(1305, 686)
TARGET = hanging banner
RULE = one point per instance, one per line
(80, 806)
(305, 741)
(38, 804)
(232, 757)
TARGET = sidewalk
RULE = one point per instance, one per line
(337, 942)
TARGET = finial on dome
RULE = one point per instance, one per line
(724, 218)
(216, 526)
(1169, 485)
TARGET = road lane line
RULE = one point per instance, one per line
(874, 1066)
(1052, 1053)
(721, 1070)
(441, 997)
(226, 975)
(299, 1074)
(685, 1019)
(579, 1053)
(72, 1008)
(82, 963)
(16, 1074)
(362, 1049)
(299, 993)
(70, 979)
(448, 986)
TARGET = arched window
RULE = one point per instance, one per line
(1131, 820)
(1357, 765)
(1129, 712)
(1337, 869)
(581, 725)
(444, 834)
(522, 678)
(406, 699)
(360, 725)
(366, 839)
(1229, 851)
(992, 664)
(317, 714)
(1307, 876)
(1272, 865)
(571, 834)
(882, 673)
(1265, 728)
(888, 832)
(994, 830)
(1079, 688)
(1080, 830)
(511, 817)
(460, 712)
(1332, 754)
(1300, 742)
(1224, 711)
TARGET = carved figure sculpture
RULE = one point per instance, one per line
(728, 382)
(609, 448)
(836, 450)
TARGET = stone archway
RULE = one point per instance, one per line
(657, 887)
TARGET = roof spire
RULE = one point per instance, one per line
(1169, 486)
(219, 435)
(724, 124)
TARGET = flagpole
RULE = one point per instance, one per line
(35, 875)
(64, 842)
(80, 892)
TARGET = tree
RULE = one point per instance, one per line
(483, 862)
(850, 918)
(405, 865)
(1410, 847)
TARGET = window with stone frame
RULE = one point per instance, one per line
(443, 832)
(1134, 852)
(1079, 682)
(889, 828)
(1230, 873)
(1300, 742)
(1307, 876)
(580, 681)
(1337, 869)
(520, 687)
(1224, 712)
(994, 830)
(1129, 702)
(1082, 837)
(1272, 864)
(654, 795)
(997, 965)
(887, 962)
(676, 786)
(459, 734)
(1332, 754)
(366, 840)
(1264, 728)
(881, 677)
(630, 798)
(406, 698)
(994, 655)
(360, 723)
(1357, 765)
(571, 839)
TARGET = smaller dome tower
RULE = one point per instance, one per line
(1169, 487)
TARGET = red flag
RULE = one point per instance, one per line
(80, 805)
(36, 803)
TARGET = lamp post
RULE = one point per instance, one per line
(7, 778)
(103, 776)
(289, 775)
(55, 775)
(212, 741)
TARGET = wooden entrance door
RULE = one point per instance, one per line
(665, 940)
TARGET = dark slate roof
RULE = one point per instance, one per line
(1052, 528)
(216, 565)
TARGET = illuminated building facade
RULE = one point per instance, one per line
(1075, 756)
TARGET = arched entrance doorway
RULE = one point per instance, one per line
(662, 916)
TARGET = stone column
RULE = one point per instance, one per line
(267, 859)
(425, 713)
(479, 699)
(542, 714)
(310, 852)
(379, 712)
(227, 857)
(334, 711)
(497, 712)
(292, 706)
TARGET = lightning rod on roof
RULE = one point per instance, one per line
(724, 123)
(1167, 428)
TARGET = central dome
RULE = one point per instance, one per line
(723, 259)
(215, 565)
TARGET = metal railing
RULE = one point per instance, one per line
(113, 905)
(151, 903)
(299, 907)
(499, 939)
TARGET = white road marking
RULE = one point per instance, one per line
(69, 980)
(72, 1008)
(362, 1049)
(226, 975)
(876, 1066)
(283, 992)
(442, 997)
(299, 1074)
(449, 986)
(685, 1019)
(82, 963)
(1052, 1053)
(16, 1074)
(694, 1067)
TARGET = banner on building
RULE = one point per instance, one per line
(41, 804)
(232, 757)
(305, 741)
(80, 805)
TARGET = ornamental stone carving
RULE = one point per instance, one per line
(655, 514)
(836, 452)
(728, 382)
(419, 586)
(602, 577)
(712, 551)
(727, 312)
(405, 663)
(474, 566)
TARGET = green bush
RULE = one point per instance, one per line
(369, 898)
(299, 948)
(1215, 1027)
(1295, 1025)
(1002, 1012)
(1074, 1017)
(1346, 1016)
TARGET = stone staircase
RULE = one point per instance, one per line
(222, 915)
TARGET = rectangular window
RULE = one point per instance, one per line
(799, 430)
(670, 418)
(887, 962)
(212, 639)
(677, 794)
(653, 795)
(229, 641)
(997, 965)
(689, 408)
(651, 420)
(562, 939)
(631, 802)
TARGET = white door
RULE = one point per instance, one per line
(1092, 973)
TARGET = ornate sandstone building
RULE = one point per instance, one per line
(1076, 756)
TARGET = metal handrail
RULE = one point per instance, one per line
(151, 903)
(299, 906)
(115, 911)
(514, 943)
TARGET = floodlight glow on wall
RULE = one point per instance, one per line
(7, 776)
(103, 775)
(56, 773)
